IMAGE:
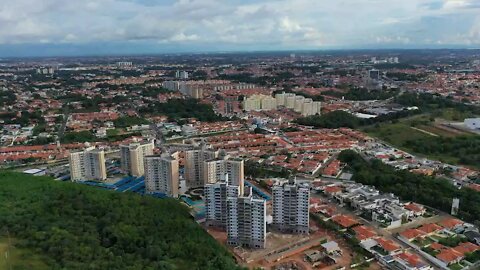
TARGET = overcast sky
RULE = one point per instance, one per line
(75, 27)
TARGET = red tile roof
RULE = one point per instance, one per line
(412, 233)
(430, 228)
(387, 244)
(345, 221)
(437, 246)
(363, 233)
(450, 223)
(449, 255)
(466, 247)
(412, 259)
(414, 207)
(332, 189)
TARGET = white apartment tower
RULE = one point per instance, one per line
(290, 208)
(246, 225)
(132, 157)
(161, 174)
(88, 164)
(215, 170)
(194, 159)
(216, 195)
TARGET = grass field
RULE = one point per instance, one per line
(397, 133)
(415, 128)
(19, 258)
(454, 115)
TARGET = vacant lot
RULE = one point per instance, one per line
(416, 135)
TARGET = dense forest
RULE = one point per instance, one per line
(430, 191)
(467, 148)
(73, 226)
(183, 108)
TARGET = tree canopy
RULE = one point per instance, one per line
(183, 108)
(79, 227)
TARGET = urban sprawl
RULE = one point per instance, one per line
(291, 160)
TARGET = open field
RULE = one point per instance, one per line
(399, 132)
(419, 128)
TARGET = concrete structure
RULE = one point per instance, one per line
(280, 98)
(472, 123)
(216, 195)
(455, 206)
(290, 100)
(88, 164)
(173, 85)
(246, 224)
(300, 104)
(194, 166)
(161, 174)
(183, 75)
(374, 74)
(299, 100)
(214, 170)
(260, 103)
(132, 157)
(290, 207)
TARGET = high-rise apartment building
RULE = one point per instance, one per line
(246, 225)
(259, 103)
(299, 100)
(290, 100)
(132, 157)
(290, 207)
(161, 174)
(216, 195)
(280, 98)
(194, 159)
(181, 74)
(300, 104)
(88, 164)
(215, 170)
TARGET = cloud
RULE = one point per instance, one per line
(262, 24)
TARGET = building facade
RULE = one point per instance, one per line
(194, 159)
(260, 103)
(246, 225)
(216, 195)
(88, 164)
(215, 170)
(290, 208)
(161, 174)
(132, 157)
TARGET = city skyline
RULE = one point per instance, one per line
(54, 28)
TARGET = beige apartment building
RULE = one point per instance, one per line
(132, 157)
(88, 164)
(194, 159)
(260, 103)
(161, 174)
(216, 170)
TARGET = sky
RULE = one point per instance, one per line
(95, 27)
